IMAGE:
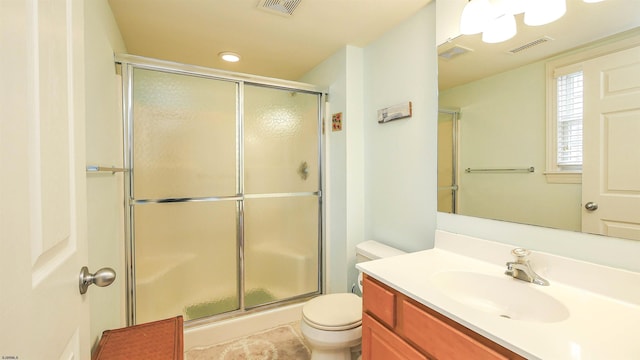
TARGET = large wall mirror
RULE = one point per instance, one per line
(492, 119)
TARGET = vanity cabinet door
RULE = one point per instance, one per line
(379, 301)
(441, 338)
(379, 343)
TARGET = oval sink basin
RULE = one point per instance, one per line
(500, 295)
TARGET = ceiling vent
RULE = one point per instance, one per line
(280, 7)
(456, 50)
(531, 44)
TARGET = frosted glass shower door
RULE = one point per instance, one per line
(224, 193)
(184, 195)
(281, 187)
(447, 161)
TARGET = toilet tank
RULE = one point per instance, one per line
(371, 250)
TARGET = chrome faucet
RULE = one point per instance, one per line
(521, 269)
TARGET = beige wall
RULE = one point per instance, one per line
(104, 147)
(503, 125)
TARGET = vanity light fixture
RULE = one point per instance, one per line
(495, 19)
(229, 56)
(544, 12)
(500, 29)
(476, 15)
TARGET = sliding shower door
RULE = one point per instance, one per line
(184, 195)
(224, 194)
(281, 184)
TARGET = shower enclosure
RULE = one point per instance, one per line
(223, 190)
(448, 160)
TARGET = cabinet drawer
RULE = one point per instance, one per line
(441, 340)
(379, 343)
(379, 301)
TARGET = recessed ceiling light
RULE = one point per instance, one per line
(229, 56)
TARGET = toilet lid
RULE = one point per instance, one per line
(333, 312)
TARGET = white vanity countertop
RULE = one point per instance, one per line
(603, 302)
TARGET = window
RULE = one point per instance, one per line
(564, 124)
(564, 109)
(569, 121)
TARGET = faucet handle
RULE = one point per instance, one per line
(520, 253)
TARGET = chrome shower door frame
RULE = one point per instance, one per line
(127, 63)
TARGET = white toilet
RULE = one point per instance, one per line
(332, 323)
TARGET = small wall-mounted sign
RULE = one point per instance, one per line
(395, 112)
(336, 122)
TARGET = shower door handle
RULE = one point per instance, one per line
(102, 277)
(303, 170)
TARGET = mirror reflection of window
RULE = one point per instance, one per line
(569, 121)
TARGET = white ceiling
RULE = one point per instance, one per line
(195, 31)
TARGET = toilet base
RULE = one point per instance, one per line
(331, 345)
(331, 354)
(351, 354)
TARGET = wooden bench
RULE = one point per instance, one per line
(158, 340)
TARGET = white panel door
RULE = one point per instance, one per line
(43, 227)
(611, 170)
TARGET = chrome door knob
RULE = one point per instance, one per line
(591, 206)
(102, 277)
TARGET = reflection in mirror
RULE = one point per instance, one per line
(447, 160)
(500, 92)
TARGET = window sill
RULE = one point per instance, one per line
(564, 177)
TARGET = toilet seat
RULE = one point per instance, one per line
(333, 312)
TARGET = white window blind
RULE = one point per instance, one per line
(569, 120)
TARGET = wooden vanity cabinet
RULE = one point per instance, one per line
(396, 327)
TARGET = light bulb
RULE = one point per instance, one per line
(475, 17)
(229, 56)
(500, 29)
(512, 7)
(541, 12)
